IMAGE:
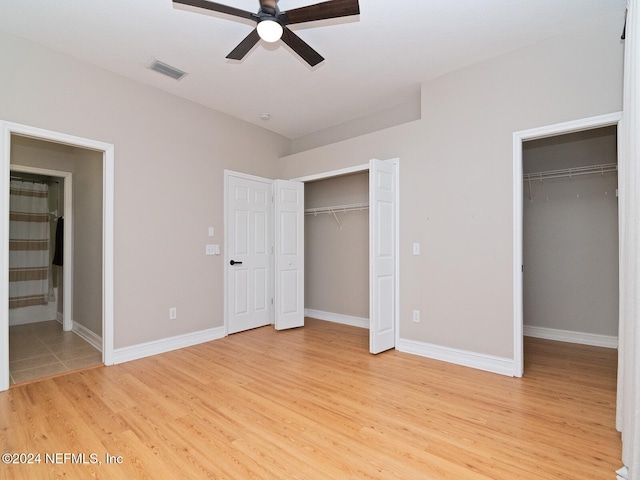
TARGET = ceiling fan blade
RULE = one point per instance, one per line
(322, 11)
(217, 7)
(244, 46)
(307, 53)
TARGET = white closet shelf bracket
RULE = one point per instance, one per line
(337, 221)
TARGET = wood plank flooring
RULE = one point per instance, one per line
(312, 403)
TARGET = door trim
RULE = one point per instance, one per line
(332, 173)
(518, 139)
(6, 130)
(67, 273)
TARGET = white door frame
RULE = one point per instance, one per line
(518, 139)
(67, 272)
(366, 168)
(6, 130)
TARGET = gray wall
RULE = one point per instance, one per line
(86, 167)
(87, 239)
(170, 156)
(337, 259)
(456, 177)
(570, 236)
(403, 113)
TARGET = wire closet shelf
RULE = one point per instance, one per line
(568, 173)
(571, 172)
(333, 210)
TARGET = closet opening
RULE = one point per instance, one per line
(570, 242)
(380, 274)
(337, 249)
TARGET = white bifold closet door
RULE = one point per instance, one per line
(382, 252)
(289, 254)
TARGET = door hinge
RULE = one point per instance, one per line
(522, 268)
(272, 301)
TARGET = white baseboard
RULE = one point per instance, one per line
(489, 363)
(86, 334)
(571, 337)
(337, 318)
(134, 352)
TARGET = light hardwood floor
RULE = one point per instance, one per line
(312, 403)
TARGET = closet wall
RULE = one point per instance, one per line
(337, 255)
(570, 235)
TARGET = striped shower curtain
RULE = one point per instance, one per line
(28, 244)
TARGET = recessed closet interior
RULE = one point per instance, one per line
(337, 248)
(570, 237)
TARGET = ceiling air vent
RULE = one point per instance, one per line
(167, 70)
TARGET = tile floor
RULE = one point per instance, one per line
(43, 349)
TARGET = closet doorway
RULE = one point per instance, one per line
(570, 237)
(566, 234)
(337, 249)
(361, 268)
(29, 151)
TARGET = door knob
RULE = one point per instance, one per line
(233, 262)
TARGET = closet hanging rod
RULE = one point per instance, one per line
(352, 207)
(571, 172)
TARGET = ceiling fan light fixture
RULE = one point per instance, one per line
(272, 24)
(270, 30)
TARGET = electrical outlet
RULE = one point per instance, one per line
(210, 249)
(173, 313)
(416, 316)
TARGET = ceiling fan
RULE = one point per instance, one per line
(272, 23)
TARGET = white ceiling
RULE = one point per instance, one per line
(374, 61)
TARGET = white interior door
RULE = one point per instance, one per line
(382, 252)
(289, 254)
(248, 253)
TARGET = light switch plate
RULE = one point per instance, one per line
(210, 250)
(211, 230)
(416, 248)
